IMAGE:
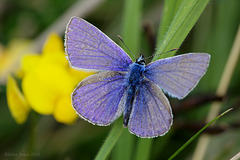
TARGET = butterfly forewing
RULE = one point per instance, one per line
(178, 75)
(89, 48)
(151, 114)
(97, 98)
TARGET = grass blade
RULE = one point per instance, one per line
(197, 134)
(169, 11)
(143, 149)
(131, 35)
(132, 25)
(111, 140)
(124, 145)
(183, 22)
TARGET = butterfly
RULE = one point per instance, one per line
(125, 87)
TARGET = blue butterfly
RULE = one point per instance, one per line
(126, 87)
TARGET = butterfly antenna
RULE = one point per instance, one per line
(174, 49)
(125, 45)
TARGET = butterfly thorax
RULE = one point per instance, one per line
(135, 73)
(134, 78)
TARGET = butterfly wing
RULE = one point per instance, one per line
(97, 98)
(89, 48)
(178, 75)
(151, 114)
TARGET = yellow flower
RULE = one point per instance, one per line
(64, 108)
(16, 101)
(9, 56)
(48, 81)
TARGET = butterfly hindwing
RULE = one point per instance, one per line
(89, 48)
(151, 114)
(178, 75)
(97, 98)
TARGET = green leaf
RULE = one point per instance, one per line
(183, 22)
(124, 145)
(111, 140)
(170, 9)
(131, 36)
(132, 25)
(143, 149)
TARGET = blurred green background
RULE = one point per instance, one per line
(213, 33)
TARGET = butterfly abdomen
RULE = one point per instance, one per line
(129, 104)
(134, 78)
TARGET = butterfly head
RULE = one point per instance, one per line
(140, 60)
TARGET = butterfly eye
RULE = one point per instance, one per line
(140, 60)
